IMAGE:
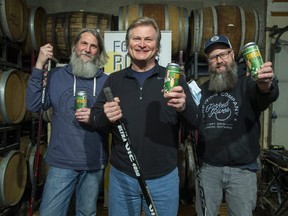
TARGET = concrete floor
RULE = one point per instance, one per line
(186, 207)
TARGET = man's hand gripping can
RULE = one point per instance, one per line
(173, 73)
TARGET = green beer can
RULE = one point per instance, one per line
(81, 100)
(253, 58)
(173, 73)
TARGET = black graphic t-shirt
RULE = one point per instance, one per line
(230, 130)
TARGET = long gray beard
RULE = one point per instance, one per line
(223, 81)
(83, 69)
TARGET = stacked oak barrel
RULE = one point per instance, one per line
(21, 32)
(13, 167)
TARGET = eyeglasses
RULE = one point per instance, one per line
(223, 55)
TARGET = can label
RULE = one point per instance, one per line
(81, 100)
(253, 59)
(172, 77)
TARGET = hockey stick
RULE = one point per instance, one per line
(133, 159)
(47, 67)
(198, 175)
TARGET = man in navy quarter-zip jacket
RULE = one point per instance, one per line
(152, 119)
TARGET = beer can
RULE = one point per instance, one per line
(253, 58)
(81, 99)
(173, 73)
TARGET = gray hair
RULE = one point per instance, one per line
(102, 57)
(144, 21)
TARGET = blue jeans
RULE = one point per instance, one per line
(126, 198)
(59, 187)
(239, 186)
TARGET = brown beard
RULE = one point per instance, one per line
(83, 69)
(224, 81)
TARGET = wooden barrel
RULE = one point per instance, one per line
(186, 165)
(13, 176)
(168, 17)
(24, 143)
(36, 34)
(14, 19)
(47, 116)
(12, 97)
(31, 156)
(61, 28)
(238, 24)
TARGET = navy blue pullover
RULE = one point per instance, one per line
(73, 145)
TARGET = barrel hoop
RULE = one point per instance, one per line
(67, 31)
(243, 30)
(140, 12)
(98, 23)
(256, 18)
(54, 37)
(31, 161)
(261, 27)
(215, 18)
(201, 30)
(84, 21)
(127, 17)
(194, 30)
(166, 14)
(3, 110)
(120, 19)
(63, 23)
(198, 26)
(31, 24)
(3, 19)
(180, 27)
(5, 75)
(186, 30)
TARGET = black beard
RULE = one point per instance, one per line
(224, 81)
(83, 69)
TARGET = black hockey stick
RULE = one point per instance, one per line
(47, 67)
(36, 161)
(198, 175)
(133, 159)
